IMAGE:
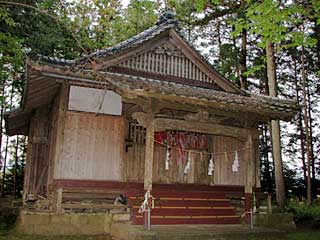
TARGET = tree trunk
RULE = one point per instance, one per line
(266, 159)
(7, 142)
(1, 130)
(219, 40)
(243, 51)
(243, 60)
(267, 174)
(275, 130)
(4, 166)
(306, 125)
(300, 124)
(265, 76)
(313, 168)
(15, 167)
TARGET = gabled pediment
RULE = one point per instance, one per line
(172, 59)
(166, 59)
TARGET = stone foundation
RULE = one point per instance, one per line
(40, 223)
(281, 221)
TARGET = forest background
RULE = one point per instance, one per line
(241, 38)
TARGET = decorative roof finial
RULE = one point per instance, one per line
(168, 16)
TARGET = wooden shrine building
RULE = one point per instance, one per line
(146, 114)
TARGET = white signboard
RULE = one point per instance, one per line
(94, 100)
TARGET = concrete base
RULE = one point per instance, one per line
(281, 221)
(117, 225)
(188, 232)
(40, 223)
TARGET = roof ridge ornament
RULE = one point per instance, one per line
(169, 17)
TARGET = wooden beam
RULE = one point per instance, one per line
(210, 106)
(162, 124)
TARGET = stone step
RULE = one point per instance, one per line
(121, 217)
(183, 202)
(181, 194)
(175, 206)
(169, 220)
(185, 211)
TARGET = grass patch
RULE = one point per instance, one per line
(14, 236)
(310, 235)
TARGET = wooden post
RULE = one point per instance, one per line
(148, 163)
(250, 178)
(59, 199)
(57, 145)
(62, 109)
(247, 207)
(269, 200)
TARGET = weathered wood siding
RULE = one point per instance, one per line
(53, 126)
(134, 163)
(92, 147)
(36, 170)
(224, 148)
(198, 172)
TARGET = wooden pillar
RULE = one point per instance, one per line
(250, 177)
(57, 142)
(29, 163)
(59, 200)
(257, 162)
(247, 207)
(60, 124)
(147, 120)
(148, 163)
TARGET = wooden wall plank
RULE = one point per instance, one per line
(93, 147)
(224, 153)
(175, 174)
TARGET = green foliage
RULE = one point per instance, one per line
(266, 19)
(228, 60)
(184, 10)
(254, 69)
(102, 23)
(305, 213)
(273, 22)
(200, 5)
(138, 16)
(10, 45)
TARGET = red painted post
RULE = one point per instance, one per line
(247, 206)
